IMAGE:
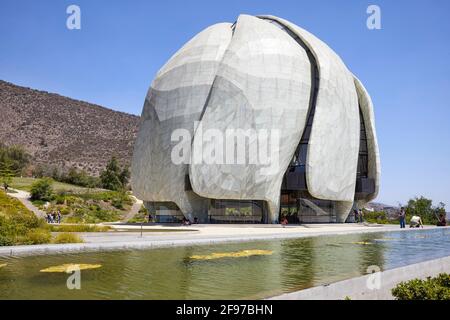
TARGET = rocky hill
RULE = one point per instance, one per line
(63, 132)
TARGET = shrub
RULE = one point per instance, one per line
(37, 236)
(117, 203)
(80, 178)
(79, 228)
(5, 240)
(379, 217)
(18, 225)
(60, 198)
(15, 156)
(42, 190)
(141, 216)
(430, 289)
(67, 238)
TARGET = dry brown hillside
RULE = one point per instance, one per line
(63, 132)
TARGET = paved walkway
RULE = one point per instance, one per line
(24, 197)
(227, 233)
(134, 209)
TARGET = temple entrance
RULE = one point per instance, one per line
(300, 209)
(236, 211)
(289, 207)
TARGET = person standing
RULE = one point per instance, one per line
(361, 216)
(355, 213)
(58, 216)
(402, 216)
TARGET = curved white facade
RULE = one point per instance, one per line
(282, 88)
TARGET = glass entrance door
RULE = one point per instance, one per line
(289, 207)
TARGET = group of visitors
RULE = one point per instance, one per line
(416, 221)
(54, 217)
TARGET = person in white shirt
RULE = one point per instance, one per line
(415, 222)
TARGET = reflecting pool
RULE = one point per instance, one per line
(249, 270)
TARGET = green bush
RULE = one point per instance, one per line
(6, 240)
(60, 198)
(18, 225)
(85, 215)
(141, 216)
(430, 289)
(78, 228)
(90, 207)
(42, 190)
(80, 178)
(36, 236)
(379, 217)
(13, 158)
(67, 238)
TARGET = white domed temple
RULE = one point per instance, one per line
(305, 122)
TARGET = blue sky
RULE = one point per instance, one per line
(112, 60)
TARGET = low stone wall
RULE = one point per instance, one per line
(376, 286)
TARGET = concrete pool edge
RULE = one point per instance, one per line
(52, 249)
(358, 288)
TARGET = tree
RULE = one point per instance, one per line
(16, 156)
(423, 207)
(124, 176)
(6, 173)
(111, 178)
(42, 190)
(80, 178)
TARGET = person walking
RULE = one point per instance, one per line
(58, 217)
(402, 216)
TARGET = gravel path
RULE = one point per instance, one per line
(24, 197)
(134, 209)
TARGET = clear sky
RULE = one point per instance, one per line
(112, 60)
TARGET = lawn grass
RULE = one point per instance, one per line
(24, 183)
